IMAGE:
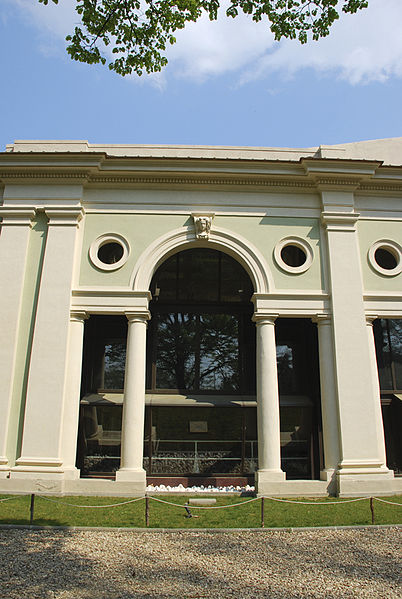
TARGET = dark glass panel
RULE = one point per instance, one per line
(198, 276)
(385, 259)
(286, 370)
(383, 354)
(101, 427)
(177, 450)
(164, 283)
(110, 253)
(296, 426)
(293, 256)
(201, 276)
(392, 419)
(395, 334)
(114, 364)
(197, 352)
(235, 283)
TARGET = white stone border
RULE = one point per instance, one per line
(103, 240)
(391, 246)
(300, 243)
(220, 239)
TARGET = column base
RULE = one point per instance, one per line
(71, 473)
(265, 478)
(329, 476)
(38, 464)
(43, 472)
(355, 479)
(136, 478)
(4, 472)
(4, 467)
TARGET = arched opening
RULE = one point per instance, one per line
(200, 337)
(201, 368)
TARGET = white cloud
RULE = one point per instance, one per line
(54, 20)
(361, 48)
(208, 48)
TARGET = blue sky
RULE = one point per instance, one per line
(227, 83)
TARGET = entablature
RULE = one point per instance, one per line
(98, 170)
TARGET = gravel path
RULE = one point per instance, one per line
(193, 565)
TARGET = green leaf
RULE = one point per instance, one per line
(138, 32)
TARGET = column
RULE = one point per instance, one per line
(361, 466)
(71, 407)
(329, 406)
(14, 239)
(269, 442)
(132, 439)
(43, 422)
(376, 387)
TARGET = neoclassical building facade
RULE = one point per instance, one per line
(210, 314)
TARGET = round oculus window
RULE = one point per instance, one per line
(386, 257)
(109, 252)
(293, 255)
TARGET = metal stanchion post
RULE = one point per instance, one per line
(31, 509)
(146, 510)
(372, 510)
(262, 513)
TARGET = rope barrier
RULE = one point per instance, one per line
(205, 507)
(89, 506)
(316, 502)
(389, 502)
(9, 498)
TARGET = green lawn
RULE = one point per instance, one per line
(57, 513)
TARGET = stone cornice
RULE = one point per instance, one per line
(341, 183)
(60, 176)
(99, 170)
(207, 180)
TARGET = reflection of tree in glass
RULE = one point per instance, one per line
(198, 352)
(395, 334)
(388, 340)
(284, 360)
(115, 361)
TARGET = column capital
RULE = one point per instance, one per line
(322, 319)
(78, 315)
(66, 217)
(17, 216)
(138, 316)
(260, 318)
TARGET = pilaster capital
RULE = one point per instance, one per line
(141, 317)
(260, 318)
(78, 316)
(17, 216)
(339, 221)
(65, 217)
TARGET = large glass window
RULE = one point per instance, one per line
(388, 338)
(388, 341)
(201, 337)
